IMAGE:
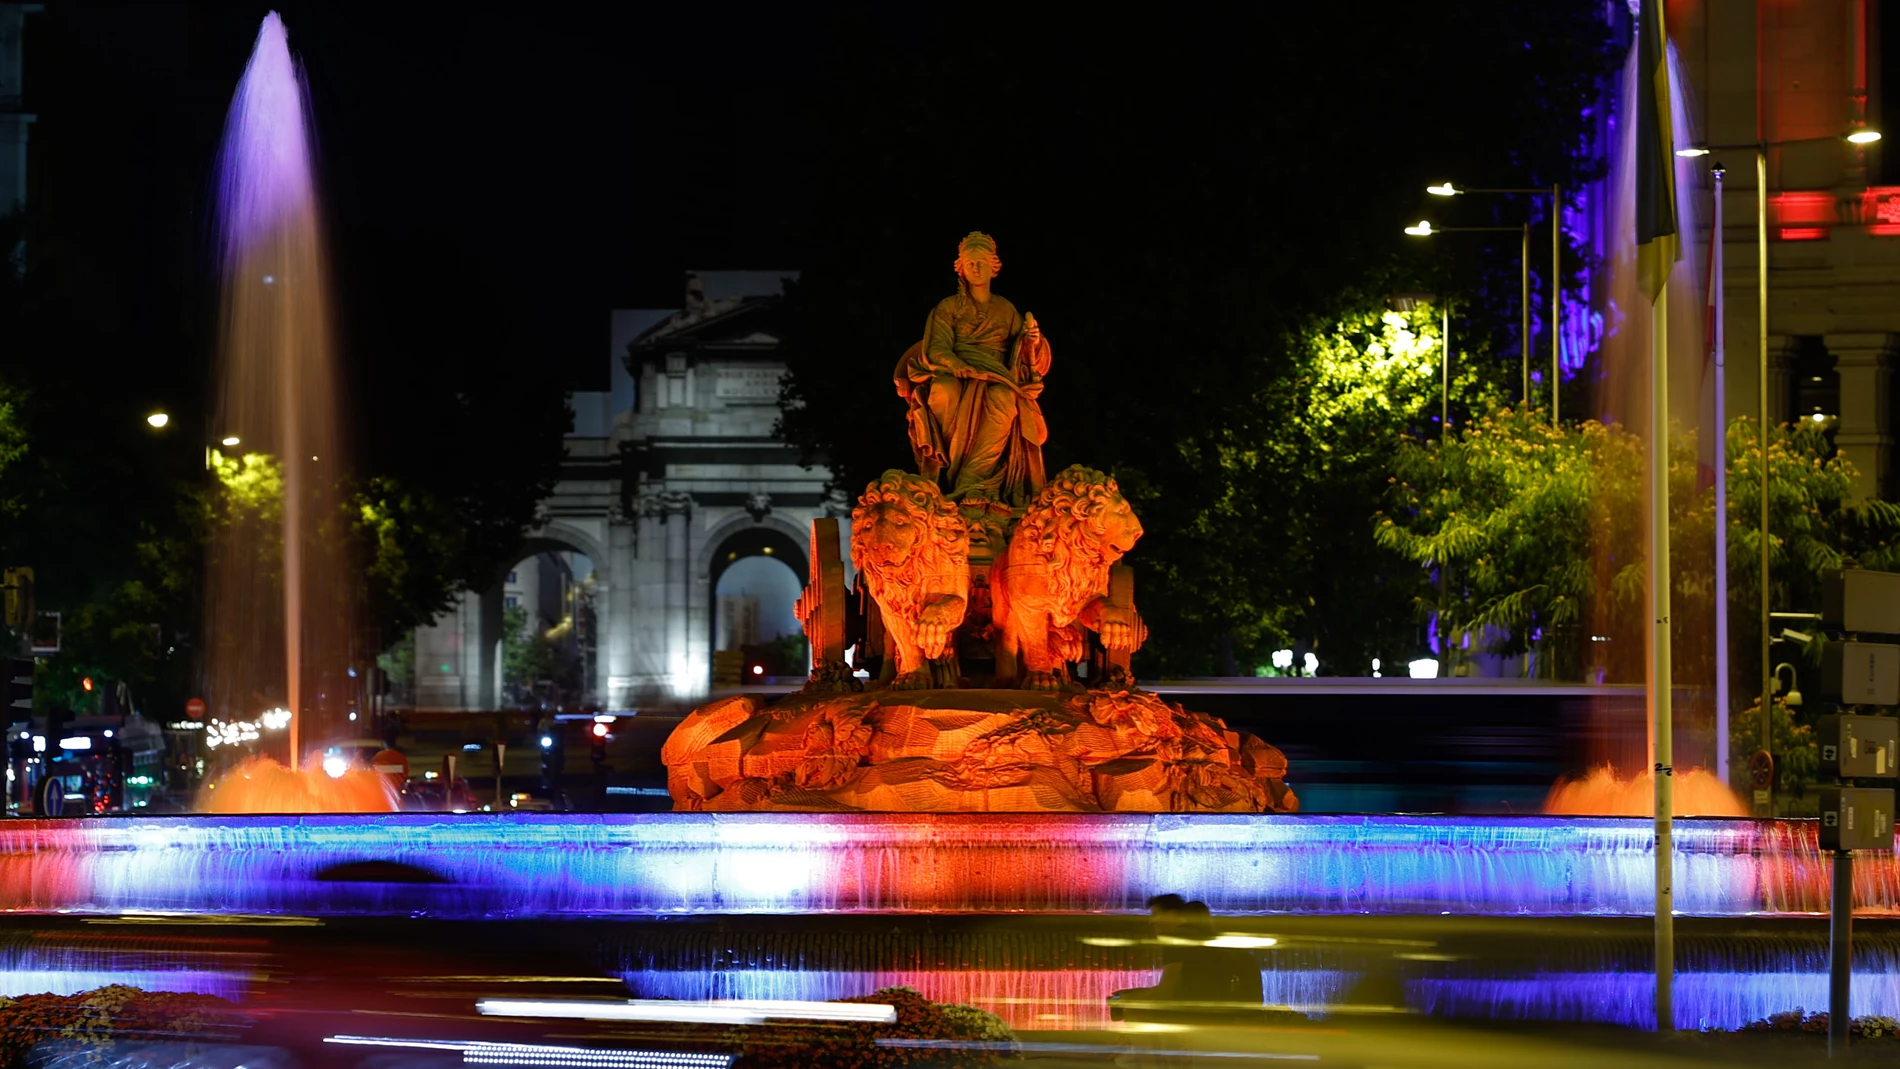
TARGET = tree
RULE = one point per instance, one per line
(527, 657)
(1540, 533)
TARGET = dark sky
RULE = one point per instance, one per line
(589, 153)
(583, 156)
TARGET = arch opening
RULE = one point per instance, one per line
(757, 575)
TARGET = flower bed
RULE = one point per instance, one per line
(106, 1014)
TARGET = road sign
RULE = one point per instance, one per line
(44, 639)
(195, 708)
(1857, 818)
(1861, 673)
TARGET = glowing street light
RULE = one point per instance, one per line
(1556, 195)
(1858, 136)
(1425, 229)
(228, 440)
(158, 419)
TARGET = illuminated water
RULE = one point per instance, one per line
(537, 865)
(261, 785)
(277, 599)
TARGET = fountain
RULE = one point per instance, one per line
(1622, 397)
(278, 607)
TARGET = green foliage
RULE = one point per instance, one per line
(1540, 531)
(1261, 533)
(398, 663)
(527, 656)
(13, 444)
(1791, 743)
(1537, 528)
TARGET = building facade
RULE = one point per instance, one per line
(1798, 77)
(673, 476)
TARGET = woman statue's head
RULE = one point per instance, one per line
(977, 262)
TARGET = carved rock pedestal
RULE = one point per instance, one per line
(969, 751)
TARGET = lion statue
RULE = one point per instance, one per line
(913, 549)
(1053, 579)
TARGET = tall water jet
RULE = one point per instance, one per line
(277, 624)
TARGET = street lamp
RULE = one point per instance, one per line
(158, 419)
(228, 440)
(1425, 229)
(1857, 136)
(1555, 193)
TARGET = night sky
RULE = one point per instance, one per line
(588, 155)
(583, 157)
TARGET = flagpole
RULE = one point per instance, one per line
(1556, 301)
(1720, 453)
(1657, 251)
(1663, 726)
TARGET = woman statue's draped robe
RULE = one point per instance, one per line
(980, 436)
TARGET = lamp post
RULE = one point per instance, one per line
(1555, 193)
(1424, 229)
(1764, 805)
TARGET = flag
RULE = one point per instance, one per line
(1656, 248)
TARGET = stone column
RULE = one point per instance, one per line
(484, 689)
(676, 509)
(1865, 363)
(614, 666)
(1780, 388)
(646, 620)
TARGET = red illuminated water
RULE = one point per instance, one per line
(261, 785)
(1603, 793)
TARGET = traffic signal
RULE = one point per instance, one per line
(19, 689)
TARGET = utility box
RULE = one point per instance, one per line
(1857, 818)
(1860, 600)
(1861, 673)
(1858, 746)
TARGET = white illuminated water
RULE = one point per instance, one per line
(526, 865)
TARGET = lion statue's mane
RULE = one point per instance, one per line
(1065, 523)
(1060, 540)
(942, 546)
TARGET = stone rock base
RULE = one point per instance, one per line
(969, 751)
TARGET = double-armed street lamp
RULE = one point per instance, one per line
(1555, 193)
(1424, 229)
(1763, 767)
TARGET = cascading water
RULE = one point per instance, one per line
(1622, 396)
(277, 609)
(534, 865)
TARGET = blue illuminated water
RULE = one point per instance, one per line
(528, 865)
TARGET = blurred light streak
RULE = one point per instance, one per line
(1030, 1047)
(711, 1011)
(486, 1053)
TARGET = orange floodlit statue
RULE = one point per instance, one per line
(912, 549)
(1053, 581)
(984, 662)
(972, 385)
